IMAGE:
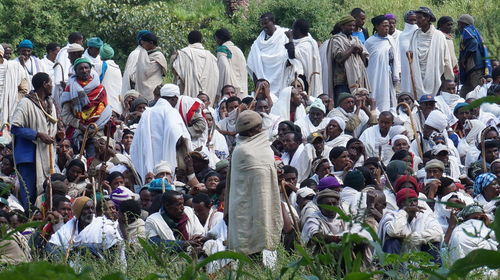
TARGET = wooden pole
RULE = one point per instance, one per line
(295, 223)
(51, 171)
(413, 126)
(409, 55)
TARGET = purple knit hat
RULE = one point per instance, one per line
(328, 182)
(390, 16)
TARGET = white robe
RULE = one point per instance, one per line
(233, 71)
(431, 59)
(341, 113)
(381, 72)
(96, 61)
(340, 140)
(156, 226)
(294, 160)
(404, 44)
(267, 58)
(307, 52)
(112, 82)
(443, 213)
(156, 137)
(270, 122)
(197, 71)
(14, 75)
(379, 145)
(314, 222)
(305, 159)
(129, 74)
(150, 69)
(282, 106)
(307, 127)
(62, 72)
(469, 236)
(49, 67)
(33, 66)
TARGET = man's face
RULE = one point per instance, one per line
(204, 99)
(326, 100)
(267, 26)
(330, 201)
(145, 197)
(296, 99)
(400, 144)
(283, 129)
(87, 213)
(333, 129)
(360, 19)
(447, 28)
(175, 207)
(427, 107)
(495, 169)
(319, 145)
(491, 154)
(443, 156)
(73, 173)
(348, 28)
(118, 181)
(406, 99)
(172, 100)
(64, 147)
(94, 52)
(435, 173)
(229, 92)
(385, 123)
(412, 19)
(64, 208)
(262, 106)
(450, 87)
(72, 56)
(289, 143)
(348, 104)
(464, 114)
(83, 71)
(201, 211)
(392, 26)
(25, 52)
(323, 169)
(111, 212)
(232, 106)
(127, 140)
(7, 53)
(316, 116)
(290, 178)
(422, 20)
(210, 120)
(140, 108)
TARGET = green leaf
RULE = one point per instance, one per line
(475, 259)
(361, 275)
(224, 255)
(342, 215)
(115, 276)
(487, 99)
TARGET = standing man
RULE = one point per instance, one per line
(129, 75)
(111, 78)
(404, 39)
(31, 63)
(34, 125)
(151, 66)
(445, 25)
(50, 58)
(13, 86)
(472, 55)
(94, 44)
(232, 64)
(431, 57)
(254, 215)
(359, 31)
(268, 57)
(304, 48)
(346, 59)
(196, 69)
(7, 51)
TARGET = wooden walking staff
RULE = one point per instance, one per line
(483, 150)
(409, 55)
(51, 171)
(295, 223)
(85, 138)
(413, 126)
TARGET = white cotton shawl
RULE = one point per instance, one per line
(307, 52)
(282, 106)
(233, 71)
(14, 75)
(267, 58)
(404, 44)
(112, 82)
(151, 67)
(156, 226)
(129, 74)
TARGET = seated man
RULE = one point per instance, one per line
(131, 225)
(174, 226)
(97, 234)
(410, 228)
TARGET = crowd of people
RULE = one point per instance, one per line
(380, 126)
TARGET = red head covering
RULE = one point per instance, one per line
(405, 194)
(403, 179)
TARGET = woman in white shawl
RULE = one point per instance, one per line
(216, 142)
(284, 106)
(467, 146)
(334, 132)
(384, 67)
(404, 38)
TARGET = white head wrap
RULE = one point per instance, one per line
(170, 90)
(399, 137)
(475, 127)
(305, 191)
(162, 166)
(318, 103)
(437, 120)
(75, 47)
(339, 121)
(396, 130)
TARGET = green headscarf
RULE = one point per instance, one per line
(106, 52)
(80, 61)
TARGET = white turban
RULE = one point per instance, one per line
(437, 120)
(318, 103)
(162, 166)
(399, 137)
(339, 121)
(305, 191)
(475, 128)
(396, 130)
(75, 47)
(170, 90)
(120, 168)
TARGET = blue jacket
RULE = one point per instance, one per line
(24, 148)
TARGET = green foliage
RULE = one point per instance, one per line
(43, 271)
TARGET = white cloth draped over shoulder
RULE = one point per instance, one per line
(112, 82)
(156, 226)
(307, 127)
(156, 137)
(307, 52)
(32, 66)
(314, 222)
(151, 67)
(282, 106)
(62, 69)
(233, 71)
(129, 74)
(404, 44)
(253, 197)
(100, 233)
(431, 59)
(305, 159)
(196, 71)
(14, 76)
(383, 69)
(267, 58)
(29, 115)
(378, 144)
(469, 236)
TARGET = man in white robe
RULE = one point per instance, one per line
(129, 76)
(175, 225)
(431, 57)
(404, 38)
(13, 86)
(289, 105)
(293, 148)
(252, 196)
(384, 67)
(447, 99)
(158, 136)
(232, 64)
(315, 120)
(377, 136)
(270, 122)
(196, 69)
(268, 57)
(63, 65)
(393, 31)
(50, 57)
(151, 66)
(94, 44)
(28, 61)
(111, 78)
(315, 148)
(304, 48)
(355, 117)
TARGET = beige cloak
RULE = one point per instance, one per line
(233, 71)
(151, 67)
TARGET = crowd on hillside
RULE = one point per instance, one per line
(380, 124)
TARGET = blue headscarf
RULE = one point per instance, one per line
(25, 44)
(141, 33)
(95, 42)
(157, 185)
(482, 181)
